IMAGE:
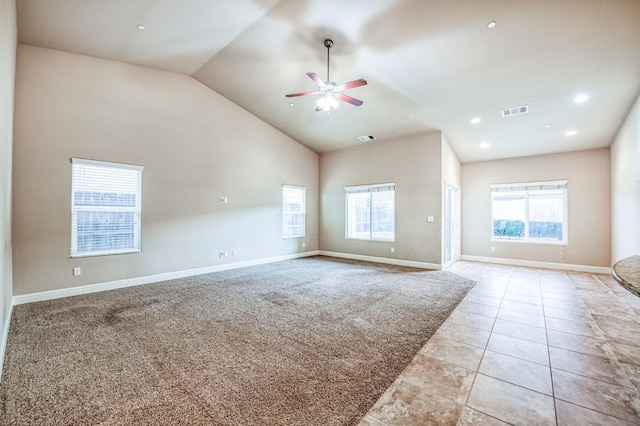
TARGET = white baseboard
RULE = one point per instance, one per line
(390, 261)
(129, 282)
(5, 338)
(536, 264)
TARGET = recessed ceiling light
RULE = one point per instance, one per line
(485, 145)
(476, 120)
(581, 98)
(570, 133)
(140, 27)
(291, 104)
(492, 24)
(546, 126)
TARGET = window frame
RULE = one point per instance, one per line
(76, 165)
(527, 189)
(370, 189)
(302, 213)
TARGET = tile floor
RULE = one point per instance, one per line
(525, 347)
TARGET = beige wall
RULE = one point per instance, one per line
(195, 147)
(589, 206)
(414, 165)
(625, 188)
(450, 164)
(8, 36)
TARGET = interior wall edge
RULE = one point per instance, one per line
(5, 338)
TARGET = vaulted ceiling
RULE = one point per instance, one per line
(430, 64)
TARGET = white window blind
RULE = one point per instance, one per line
(293, 211)
(105, 208)
(529, 186)
(371, 212)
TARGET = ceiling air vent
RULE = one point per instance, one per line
(367, 138)
(515, 111)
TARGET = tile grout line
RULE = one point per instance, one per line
(466, 402)
(546, 333)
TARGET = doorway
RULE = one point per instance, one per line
(451, 224)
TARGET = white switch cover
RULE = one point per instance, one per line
(76, 272)
(429, 218)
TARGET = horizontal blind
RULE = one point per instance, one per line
(106, 207)
(381, 187)
(529, 186)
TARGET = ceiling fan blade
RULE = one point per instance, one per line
(350, 85)
(349, 99)
(313, 76)
(292, 95)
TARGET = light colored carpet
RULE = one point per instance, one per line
(311, 341)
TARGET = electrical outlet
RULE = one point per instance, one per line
(304, 245)
(77, 272)
(393, 250)
(235, 253)
(221, 254)
(493, 249)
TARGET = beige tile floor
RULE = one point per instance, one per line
(525, 347)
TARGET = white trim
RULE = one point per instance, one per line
(106, 164)
(529, 186)
(401, 262)
(130, 282)
(5, 338)
(537, 264)
(376, 187)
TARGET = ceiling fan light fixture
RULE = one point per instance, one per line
(327, 103)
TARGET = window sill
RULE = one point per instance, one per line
(110, 253)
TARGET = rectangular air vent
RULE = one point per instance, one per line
(366, 138)
(515, 111)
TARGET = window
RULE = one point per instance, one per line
(371, 212)
(530, 212)
(105, 208)
(293, 211)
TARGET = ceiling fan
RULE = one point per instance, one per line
(332, 92)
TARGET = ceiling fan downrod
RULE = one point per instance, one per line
(328, 43)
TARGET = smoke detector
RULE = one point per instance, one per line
(366, 138)
(515, 111)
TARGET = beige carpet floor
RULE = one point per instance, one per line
(312, 341)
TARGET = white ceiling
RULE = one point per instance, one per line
(430, 64)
